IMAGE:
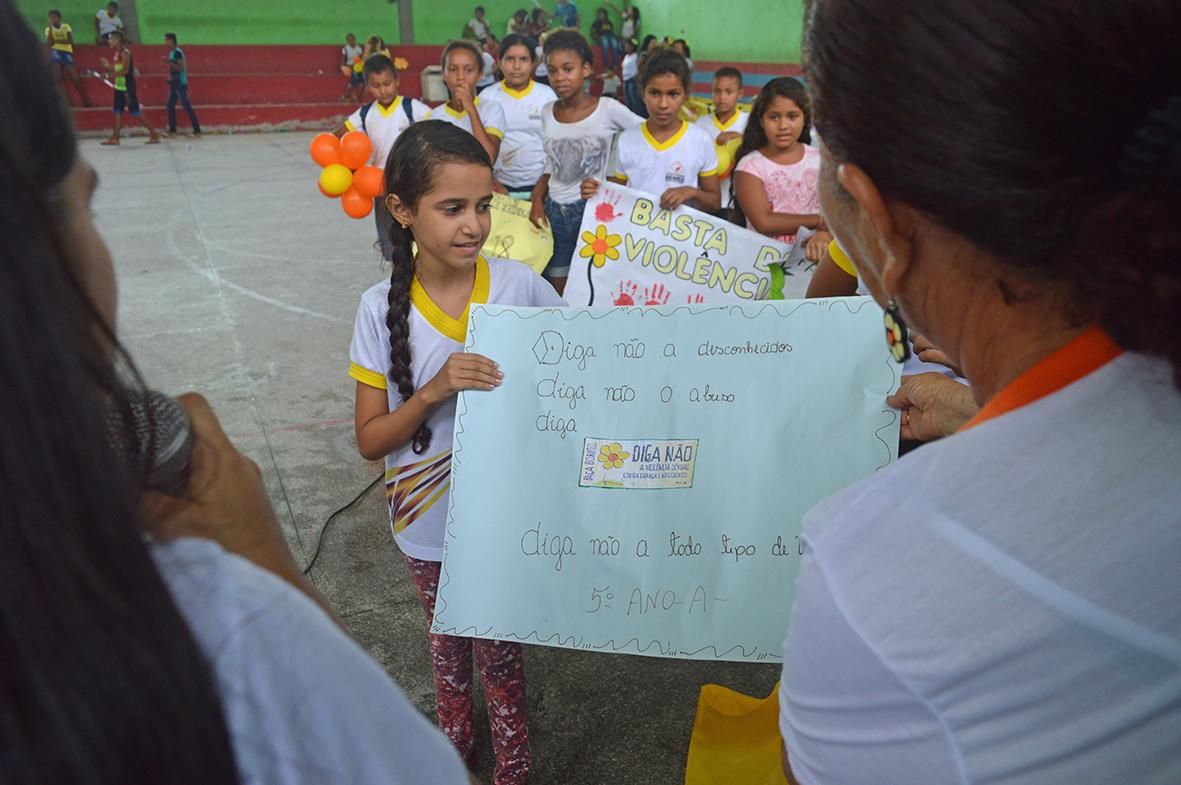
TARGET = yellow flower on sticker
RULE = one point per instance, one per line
(612, 455)
(600, 246)
(401, 63)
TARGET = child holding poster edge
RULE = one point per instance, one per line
(777, 171)
(665, 156)
(577, 132)
(411, 330)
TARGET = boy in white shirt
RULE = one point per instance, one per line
(666, 156)
(485, 121)
(726, 122)
(522, 153)
(107, 21)
(382, 120)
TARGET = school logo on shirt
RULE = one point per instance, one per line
(676, 174)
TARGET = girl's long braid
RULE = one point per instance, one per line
(397, 319)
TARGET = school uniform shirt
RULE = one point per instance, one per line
(108, 24)
(383, 125)
(654, 167)
(1002, 605)
(491, 115)
(791, 188)
(522, 153)
(61, 37)
(417, 485)
(575, 151)
(303, 703)
(710, 124)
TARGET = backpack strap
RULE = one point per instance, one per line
(408, 108)
(364, 112)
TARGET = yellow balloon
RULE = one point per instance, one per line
(335, 179)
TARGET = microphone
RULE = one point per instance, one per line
(160, 425)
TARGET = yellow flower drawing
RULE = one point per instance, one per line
(600, 246)
(612, 455)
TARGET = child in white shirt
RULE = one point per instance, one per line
(407, 357)
(726, 122)
(577, 131)
(667, 157)
(383, 120)
(461, 69)
(522, 154)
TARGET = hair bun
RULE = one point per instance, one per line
(1154, 154)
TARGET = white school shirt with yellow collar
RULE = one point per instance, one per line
(383, 125)
(491, 115)
(417, 486)
(522, 155)
(712, 126)
(654, 167)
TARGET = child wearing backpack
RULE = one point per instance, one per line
(383, 119)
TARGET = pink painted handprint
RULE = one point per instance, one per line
(625, 294)
(656, 295)
(695, 299)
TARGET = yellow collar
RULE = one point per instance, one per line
(662, 146)
(386, 111)
(455, 329)
(458, 115)
(728, 123)
(518, 94)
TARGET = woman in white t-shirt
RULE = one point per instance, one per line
(197, 655)
(777, 171)
(407, 357)
(1001, 605)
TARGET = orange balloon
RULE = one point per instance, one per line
(355, 149)
(354, 204)
(325, 149)
(369, 181)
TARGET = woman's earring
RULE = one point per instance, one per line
(897, 336)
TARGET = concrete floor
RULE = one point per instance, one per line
(240, 281)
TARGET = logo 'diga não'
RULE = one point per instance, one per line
(638, 463)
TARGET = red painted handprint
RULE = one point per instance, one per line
(656, 295)
(695, 299)
(625, 294)
(605, 210)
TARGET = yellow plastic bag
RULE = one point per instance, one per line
(735, 739)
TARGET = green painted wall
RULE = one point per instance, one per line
(751, 30)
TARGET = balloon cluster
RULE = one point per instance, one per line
(726, 153)
(345, 174)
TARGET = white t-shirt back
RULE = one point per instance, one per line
(303, 703)
(417, 486)
(1001, 605)
(575, 151)
(654, 167)
(522, 154)
(384, 124)
(491, 115)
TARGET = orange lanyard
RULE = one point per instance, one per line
(1088, 352)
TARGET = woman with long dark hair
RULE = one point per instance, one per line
(1001, 605)
(129, 659)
